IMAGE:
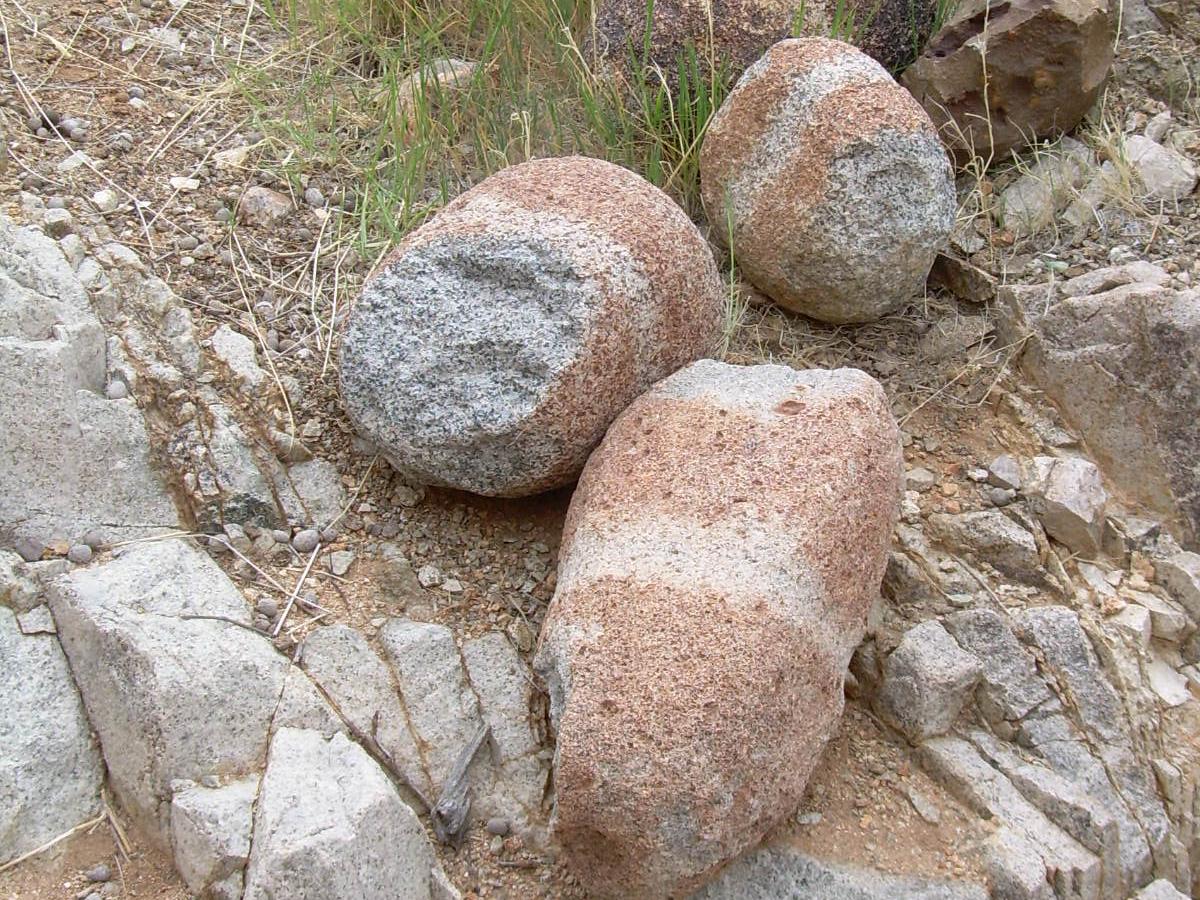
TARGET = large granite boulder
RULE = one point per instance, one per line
(1117, 351)
(718, 561)
(490, 351)
(830, 182)
(999, 75)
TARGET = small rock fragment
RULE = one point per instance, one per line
(926, 681)
(306, 541)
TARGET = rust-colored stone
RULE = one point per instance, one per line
(1043, 63)
(718, 561)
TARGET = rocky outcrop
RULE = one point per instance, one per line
(1116, 350)
(50, 770)
(75, 461)
(329, 823)
(426, 702)
(829, 181)
(176, 683)
(719, 557)
(1042, 64)
(490, 351)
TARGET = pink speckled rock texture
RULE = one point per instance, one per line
(719, 557)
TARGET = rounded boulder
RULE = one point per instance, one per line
(718, 560)
(493, 347)
(830, 180)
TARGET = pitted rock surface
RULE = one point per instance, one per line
(719, 557)
(830, 180)
(490, 351)
(1046, 62)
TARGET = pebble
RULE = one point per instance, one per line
(136, 92)
(94, 538)
(314, 198)
(29, 549)
(429, 576)
(919, 480)
(80, 554)
(329, 534)
(262, 623)
(281, 536)
(808, 818)
(187, 242)
(116, 390)
(340, 562)
(267, 607)
(106, 201)
(99, 873)
(452, 586)
(306, 541)
(1002, 496)
(224, 215)
(56, 203)
(497, 826)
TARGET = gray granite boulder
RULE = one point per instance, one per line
(492, 348)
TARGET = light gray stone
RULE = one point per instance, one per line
(993, 538)
(263, 207)
(233, 485)
(319, 487)
(1180, 574)
(442, 709)
(1099, 345)
(1015, 867)
(926, 681)
(236, 352)
(1071, 869)
(210, 833)
(1029, 204)
(74, 460)
(329, 823)
(173, 689)
(494, 347)
(1010, 687)
(1166, 174)
(360, 687)
(1005, 472)
(919, 479)
(777, 872)
(37, 621)
(1070, 503)
(1160, 890)
(18, 589)
(50, 770)
(1168, 621)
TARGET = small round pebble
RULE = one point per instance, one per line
(136, 92)
(224, 215)
(94, 538)
(29, 549)
(314, 198)
(116, 391)
(80, 554)
(187, 242)
(329, 534)
(281, 536)
(99, 873)
(262, 623)
(267, 607)
(306, 541)
(56, 203)
(497, 826)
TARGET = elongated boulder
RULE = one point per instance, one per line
(999, 75)
(830, 182)
(490, 351)
(718, 560)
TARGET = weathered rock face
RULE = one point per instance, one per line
(735, 33)
(1045, 65)
(719, 557)
(1116, 350)
(329, 823)
(73, 459)
(829, 180)
(495, 345)
(149, 645)
(50, 771)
